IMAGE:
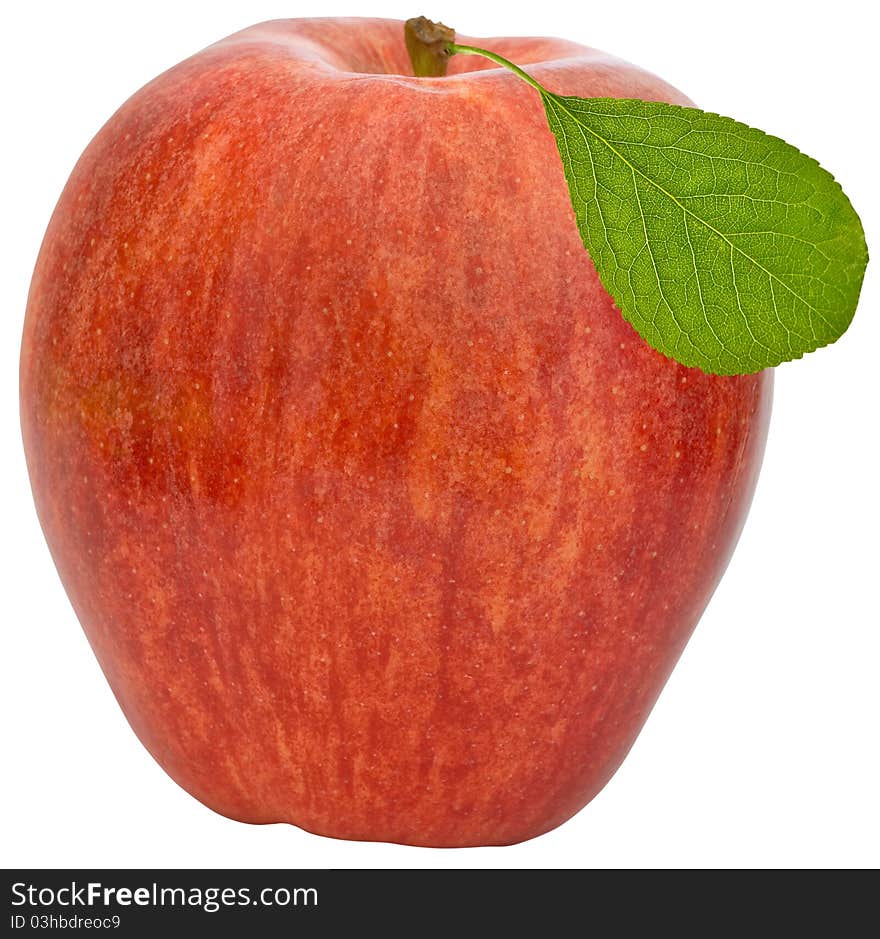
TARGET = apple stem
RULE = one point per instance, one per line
(428, 45)
(431, 45)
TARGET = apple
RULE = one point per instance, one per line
(378, 516)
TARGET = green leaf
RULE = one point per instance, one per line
(727, 249)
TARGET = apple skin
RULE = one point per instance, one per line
(378, 516)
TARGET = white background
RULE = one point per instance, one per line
(763, 749)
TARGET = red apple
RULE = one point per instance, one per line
(379, 517)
